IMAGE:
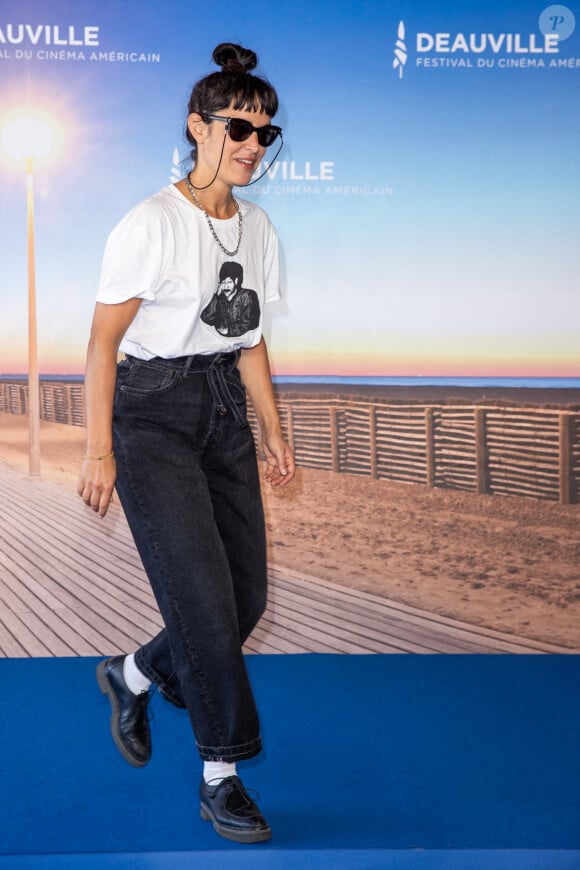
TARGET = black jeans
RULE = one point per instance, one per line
(189, 485)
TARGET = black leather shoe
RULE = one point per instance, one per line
(129, 720)
(234, 814)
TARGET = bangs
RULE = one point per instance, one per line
(241, 91)
(254, 95)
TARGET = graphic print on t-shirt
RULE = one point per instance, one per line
(233, 309)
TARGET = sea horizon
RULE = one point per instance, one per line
(543, 383)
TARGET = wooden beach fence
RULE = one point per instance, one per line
(485, 449)
(59, 402)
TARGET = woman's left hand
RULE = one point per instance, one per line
(280, 465)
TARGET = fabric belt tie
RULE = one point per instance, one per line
(226, 397)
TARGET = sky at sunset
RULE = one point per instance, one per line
(428, 221)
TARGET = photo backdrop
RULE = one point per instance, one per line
(427, 205)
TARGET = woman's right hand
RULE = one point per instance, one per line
(96, 483)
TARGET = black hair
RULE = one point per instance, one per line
(233, 270)
(233, 86)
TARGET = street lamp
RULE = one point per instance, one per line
(28, 138)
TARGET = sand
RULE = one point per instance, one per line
(507, 563)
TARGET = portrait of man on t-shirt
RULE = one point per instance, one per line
(233, 309)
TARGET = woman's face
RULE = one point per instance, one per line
(240, 159)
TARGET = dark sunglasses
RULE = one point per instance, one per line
(241, 130)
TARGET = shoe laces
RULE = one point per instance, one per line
(250, 796)
(141, 703)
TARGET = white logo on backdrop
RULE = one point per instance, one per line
(400, 58)
(463, 50)
(292, 178)
(58, 43)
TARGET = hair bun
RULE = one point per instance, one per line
(234, 58)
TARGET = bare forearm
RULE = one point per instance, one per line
(110, 323)
(255, 371)
(99, 392)
(98, 471)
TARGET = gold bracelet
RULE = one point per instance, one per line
(98, 458)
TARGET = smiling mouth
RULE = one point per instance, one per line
(248, 164)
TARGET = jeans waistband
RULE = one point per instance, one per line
(226, 396)
(199, 362)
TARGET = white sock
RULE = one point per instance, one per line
(135, 679)
(216, 771)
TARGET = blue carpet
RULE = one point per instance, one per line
(370, 762)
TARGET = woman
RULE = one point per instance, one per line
(167, 426)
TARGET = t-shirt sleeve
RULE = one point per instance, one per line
(132, 261)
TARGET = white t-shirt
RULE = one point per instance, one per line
(196, 299)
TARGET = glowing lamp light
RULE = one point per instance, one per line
(29, 137)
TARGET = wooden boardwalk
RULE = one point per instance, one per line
(72, 584)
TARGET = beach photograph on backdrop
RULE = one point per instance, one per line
(425, 352)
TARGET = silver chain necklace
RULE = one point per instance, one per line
(199, 203)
